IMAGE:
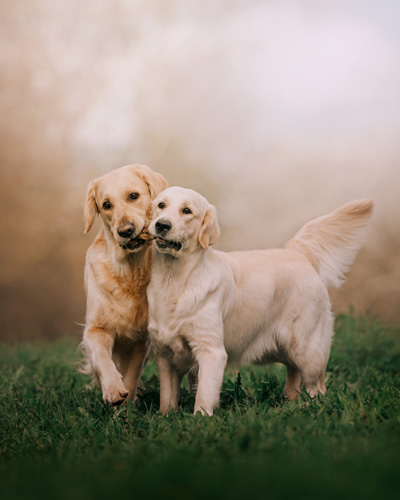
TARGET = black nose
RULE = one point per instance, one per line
(126, 230)
(163, 226)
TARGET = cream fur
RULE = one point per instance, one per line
(208, 307)
(115, 340)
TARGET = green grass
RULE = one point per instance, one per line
(58, 440)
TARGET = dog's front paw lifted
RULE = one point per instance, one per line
(115, 394)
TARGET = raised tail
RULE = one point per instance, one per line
(332, 241)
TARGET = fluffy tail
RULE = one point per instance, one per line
(331, 242)
(85, 366)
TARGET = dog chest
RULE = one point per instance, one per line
(175, 346)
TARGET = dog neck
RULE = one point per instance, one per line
(124, 262)
(184, 265)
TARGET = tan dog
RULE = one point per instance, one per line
(117, 272)
(262, 306)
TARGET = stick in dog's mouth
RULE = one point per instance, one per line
(138, 240)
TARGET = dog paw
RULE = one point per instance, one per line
(206, 412)
(115, 394)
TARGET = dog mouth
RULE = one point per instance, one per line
(164, 244)
(138, 241)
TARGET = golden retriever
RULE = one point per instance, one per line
(261, 306)
(117, 272)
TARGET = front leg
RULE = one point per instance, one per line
(212, 364)
(170, 381)
(99, 344)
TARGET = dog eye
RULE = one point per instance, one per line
(161, 205)
(106, 205)
(186, 210)
(134, 196)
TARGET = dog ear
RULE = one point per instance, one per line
(210, 231)
(90, 209)
(155, 182)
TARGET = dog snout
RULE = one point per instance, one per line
(126, 230)
(163, 226)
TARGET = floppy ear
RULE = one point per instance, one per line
(210, 231)
(155, 182)
(90, 209)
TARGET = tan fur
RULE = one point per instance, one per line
(115, 340)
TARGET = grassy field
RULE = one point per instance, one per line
(58, 440)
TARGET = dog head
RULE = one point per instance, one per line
(123, 199)
(183, 221)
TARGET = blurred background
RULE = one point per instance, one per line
(276, 111)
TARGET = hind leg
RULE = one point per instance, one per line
(310, 353)
(322, 388)
(313, 387)
(293, 383)
(313, 378)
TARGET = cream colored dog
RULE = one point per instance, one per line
(117, 272)
(262, 306)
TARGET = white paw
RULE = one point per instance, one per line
(114, 393)
(208, 412)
